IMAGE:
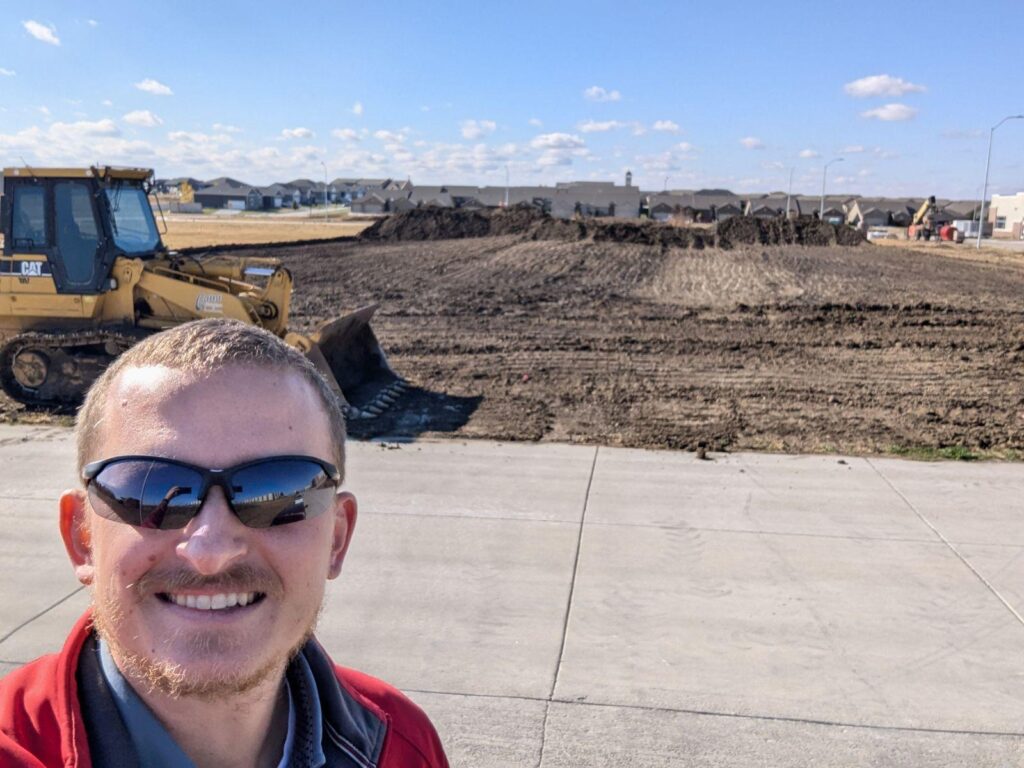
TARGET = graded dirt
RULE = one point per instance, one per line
(648, 344)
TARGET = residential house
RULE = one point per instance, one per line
(770, 206)
(244, 197)
(374, 202)
(595, 199)
(280, 196)
(835, 207)
(867, 212)
(225, 181)
(307, 191)
(431, 197)
(963, 209)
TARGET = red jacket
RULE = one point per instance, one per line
(42, 725)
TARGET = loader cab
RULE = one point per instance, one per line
(70, 225)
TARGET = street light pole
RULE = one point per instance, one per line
(988, 163)
(325, 187)
(789, 191)
(824, 171)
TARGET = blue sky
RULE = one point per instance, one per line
(702, 94)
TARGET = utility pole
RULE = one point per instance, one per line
(988, 163)
(824, 171)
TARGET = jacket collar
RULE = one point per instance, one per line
(353, 733)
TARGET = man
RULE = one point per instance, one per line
(209, 521)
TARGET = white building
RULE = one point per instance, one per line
(1006, 215)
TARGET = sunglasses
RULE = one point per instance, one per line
(154, 492)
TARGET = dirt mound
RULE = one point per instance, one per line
(805, 230)
(517, 220)
(532, 223)
(429, 224)
(529, 222)
(649, 233)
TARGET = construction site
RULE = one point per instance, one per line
(754, 334)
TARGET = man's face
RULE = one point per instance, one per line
(140, 575)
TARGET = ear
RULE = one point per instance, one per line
(74, 530)
(345, 512)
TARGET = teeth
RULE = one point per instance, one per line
(213, 602)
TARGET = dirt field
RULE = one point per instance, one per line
(215, 230)
(782, 348)
(788, 348)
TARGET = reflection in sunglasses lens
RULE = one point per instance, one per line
(150, 493)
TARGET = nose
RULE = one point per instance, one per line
(215, 538)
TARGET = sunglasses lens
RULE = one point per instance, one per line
(147, 493)
(279, 491)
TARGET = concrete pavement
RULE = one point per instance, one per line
(563, 606)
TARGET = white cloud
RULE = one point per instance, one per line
(44, 110)
(296, 133)
(852, 149)
(881, 85)
(535, 122)
(774, 165)
(597, 93)
(143, 118)
(107, 103)
(195, 137)
(665, 125)
(752, 142)
(557, 141)
(809, 153)
(553, 158)
(345, 134)
(476, 129)
(390, 137)
(891, 112)
(77, 143)
(45, 33)
(155, 87)
(85, 128)
(594, 126)
(684, 146)
(223, 128)
(7, 72)
(357, 109)
(93, 23)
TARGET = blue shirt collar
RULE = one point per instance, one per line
(157, 749)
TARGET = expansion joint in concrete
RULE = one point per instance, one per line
(568, 608)
(952, 547)
(43, 612)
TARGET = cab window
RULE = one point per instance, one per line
(77, 235)
(28, 218)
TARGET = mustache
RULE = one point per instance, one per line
(238, 578)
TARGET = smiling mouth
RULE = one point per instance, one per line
(219, 602)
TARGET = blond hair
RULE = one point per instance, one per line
(200, 348)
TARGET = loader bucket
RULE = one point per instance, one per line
(353, 356)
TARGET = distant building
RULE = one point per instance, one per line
(224, 195)
(1006, 215)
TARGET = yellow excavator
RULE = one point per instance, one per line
(923, 223)
(84, 275)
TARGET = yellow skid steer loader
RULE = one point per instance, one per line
(84, 275)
